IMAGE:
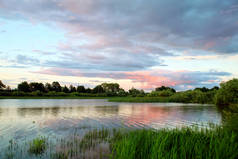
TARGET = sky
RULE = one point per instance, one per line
(138, 43)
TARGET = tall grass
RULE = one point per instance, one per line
(186, 143)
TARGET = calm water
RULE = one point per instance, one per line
(23, 119)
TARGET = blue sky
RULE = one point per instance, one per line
(144, 44)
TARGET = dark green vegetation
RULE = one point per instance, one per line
(37, 146)
(225, 96)
(184, 143)
(194, 142)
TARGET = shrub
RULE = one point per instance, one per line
(19, 93)
(227, 94)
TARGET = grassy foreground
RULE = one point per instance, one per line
(205, 143)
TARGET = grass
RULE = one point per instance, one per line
(193, 142)
(140, 99)
(37, 146)
(185, 143)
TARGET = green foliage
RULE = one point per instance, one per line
(98, 89)
(37, 146)
(191, 142)
(56, 86)
(136, 93)
(193, 96)
(35, 86)
(110, 87)
(2, 85)
(19, 93)
(163, 93)
(122, 93)
(227, 94)
(163, 88)
(24, 87)
(72, 89)
(81, 89)
(185, 143)
(48, 87)
(53, 94)
(65, 89)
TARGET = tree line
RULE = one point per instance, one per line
(226, 94)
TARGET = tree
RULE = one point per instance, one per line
(110, 87)
(215, 88)
(35, 86)
(56, 86)
(8, 88)
(24, 87)
(65, 89)
(2, 85)
(88, 90)
(122, 93)
(227, 94)
(203, 89)
(135, 92)
(162, 88)
(48, 87)
(72, 89)
(81, 89)
(98, 89)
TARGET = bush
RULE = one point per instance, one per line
(19, 93)
(5, 93)
(36, 93)
(53, 94)
(227, 94)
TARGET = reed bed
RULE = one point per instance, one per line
(190, 142)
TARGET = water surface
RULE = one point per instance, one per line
(24, 119)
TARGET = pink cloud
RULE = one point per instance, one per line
(152, 79)
(147, 80)
(209, 45)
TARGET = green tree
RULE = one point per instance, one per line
(81, 89)
(135, 92)
(88, 90)
(72, 89)
(35, 86)
(48, 87)
(56, 86)
(122, 93)
(24, 87)
(65, 89)
(110, 87)
(227, 94)
(2, 85)
(98, 89)
(163, 88)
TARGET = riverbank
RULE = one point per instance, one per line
(190, 142)
(50, 97)
(110, 99)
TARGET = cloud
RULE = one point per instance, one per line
(124, 39)
(118, 61)
(149, 80)
(22, 59)
(187, 25)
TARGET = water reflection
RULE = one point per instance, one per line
(28, 118)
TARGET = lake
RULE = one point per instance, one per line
(24, 119)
